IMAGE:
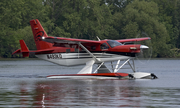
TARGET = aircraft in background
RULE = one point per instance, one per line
(73, 52)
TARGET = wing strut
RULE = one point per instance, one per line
(98, 67)
(132, 67)
(88, 68)
(116, 68)
(121, 65)
(88, 52)
(127, 61)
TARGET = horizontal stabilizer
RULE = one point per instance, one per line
(25, 51)
(17, 52)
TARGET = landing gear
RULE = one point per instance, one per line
(102, 68)
(135, 74)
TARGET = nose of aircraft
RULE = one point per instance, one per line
(144, 47)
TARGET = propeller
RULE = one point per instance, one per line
(146, 49)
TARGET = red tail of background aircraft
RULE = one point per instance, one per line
(38, 33)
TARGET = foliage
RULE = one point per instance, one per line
(142, 16)
(112, 19)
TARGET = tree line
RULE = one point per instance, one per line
(86, 19)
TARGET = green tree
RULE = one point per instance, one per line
(81, 19)
(14, 20)
(113, 19)
(10, 20)
(170, 15)
(142, 16)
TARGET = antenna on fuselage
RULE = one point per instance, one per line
(98, 38)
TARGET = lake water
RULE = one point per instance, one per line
(23, 83)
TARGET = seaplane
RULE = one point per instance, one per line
(73, 52)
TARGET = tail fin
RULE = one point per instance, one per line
(38, 33)
(24, 48)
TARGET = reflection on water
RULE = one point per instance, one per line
(29, 88)
(87, 93)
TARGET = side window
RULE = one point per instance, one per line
(104, 46)
(93, 47)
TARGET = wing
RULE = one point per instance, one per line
(133, 39)
(68, 40)
(51, 39)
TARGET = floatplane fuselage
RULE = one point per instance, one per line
(72, 52)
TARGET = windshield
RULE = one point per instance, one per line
(114, 43)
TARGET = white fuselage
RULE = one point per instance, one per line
(72, 59)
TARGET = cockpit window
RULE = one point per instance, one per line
(104, 46)
(114, 43)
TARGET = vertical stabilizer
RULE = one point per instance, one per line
(24, 48)
(38, 33)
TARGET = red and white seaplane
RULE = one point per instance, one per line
(73, 52)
